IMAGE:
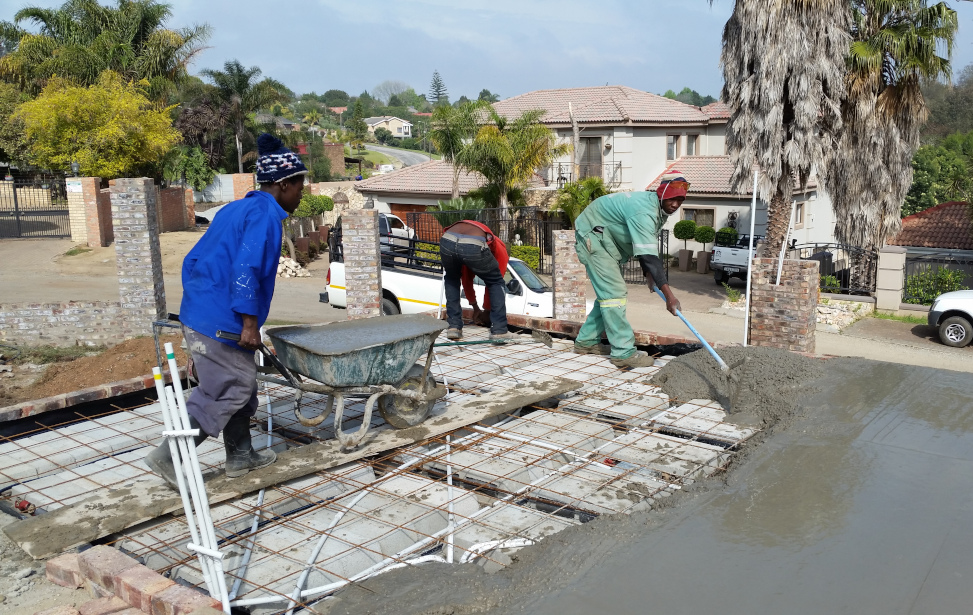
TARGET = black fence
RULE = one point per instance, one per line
(928, 276)
(846, 270)
(34, 208)
(563, 172)
(632, 270)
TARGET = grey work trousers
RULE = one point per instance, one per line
(227, 382)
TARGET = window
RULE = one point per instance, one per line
(702, 217)
(692, 142)
(672, 147)
(799, 214)
(398, 129)
(590, 159)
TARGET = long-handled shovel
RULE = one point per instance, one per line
(726, 369)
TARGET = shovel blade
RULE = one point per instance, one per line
(543, 338)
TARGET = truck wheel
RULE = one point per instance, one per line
(389, 308)
(721, 276)
(956, 331)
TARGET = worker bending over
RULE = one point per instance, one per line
(469, 248)
(228, 282)
(609, 232)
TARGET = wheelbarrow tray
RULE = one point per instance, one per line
(356, 353)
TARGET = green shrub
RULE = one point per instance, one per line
(529, 254)
(830, 284)
(732, 294)
(427, 250)
(923, 287)
(728, 235)
(704, 235)
(685, 230)
(302, 258)
(313, 205)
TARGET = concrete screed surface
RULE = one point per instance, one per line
(863, 505)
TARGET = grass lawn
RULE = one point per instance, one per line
(418, 151)
(375, 158)
(912, 320)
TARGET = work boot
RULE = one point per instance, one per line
(598, 349)
(639, 359)
(502, 338)
(240, 456)
(160, 461)
(454, 334)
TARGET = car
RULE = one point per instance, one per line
(952, 314)
(395, 238)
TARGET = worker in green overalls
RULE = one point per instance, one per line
(609, 232)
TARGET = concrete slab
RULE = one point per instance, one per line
(599, 489)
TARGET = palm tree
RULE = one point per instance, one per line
(452, 129)
(239, 87)
(869, 172)
(312, 118)
(81, 39)
(508, 152)
(573, 197)
(783, 65)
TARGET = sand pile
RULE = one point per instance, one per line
(772, 381)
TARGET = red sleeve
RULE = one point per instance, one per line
(466, 276)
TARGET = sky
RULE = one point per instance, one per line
(506, 46)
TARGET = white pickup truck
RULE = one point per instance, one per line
(410, 291)
(730, 259)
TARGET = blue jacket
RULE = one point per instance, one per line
(233, 268)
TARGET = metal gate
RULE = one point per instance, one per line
(34, 208)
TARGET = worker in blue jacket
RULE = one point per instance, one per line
(228, 282)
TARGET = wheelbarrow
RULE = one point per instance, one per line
(372, 357)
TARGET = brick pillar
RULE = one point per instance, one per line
(784, 316)
(86, 225)
(137, 253)
(242, 184)
(891, 278)
(190, 208)
(363, 272)
(569, 279)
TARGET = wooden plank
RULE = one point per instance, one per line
(115, 510)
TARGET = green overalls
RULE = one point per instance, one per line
(609, 232)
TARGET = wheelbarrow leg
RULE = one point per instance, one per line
(349, 441)
(425, 372)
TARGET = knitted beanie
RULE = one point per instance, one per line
(275, 162)
(673, 185)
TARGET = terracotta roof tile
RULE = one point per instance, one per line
(614, 104)
(948, 226)
(434, 177)
(717, 111)
(708, 175)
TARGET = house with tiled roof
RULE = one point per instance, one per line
(398, 127)
(944, 228)
(416, 187)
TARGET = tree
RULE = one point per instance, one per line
(357, 125)
(82, 39)
(238, 87)
(335, 98)
(111, 129)
(395, 101)
(312, 118)
(318, 163)
(783, 67)
(384, 136)
(508, 152)
(940, 174)
(437, 90)
(13, 145)
(203, 124)
(487, 96)
(452, 129)
(950, 106)
(384, 91)
(189, 164)
(574, 197)
(869, 171)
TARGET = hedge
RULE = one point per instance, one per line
(529, 254)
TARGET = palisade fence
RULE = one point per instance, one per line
(34, 207)
(846, 270)
(928, 276)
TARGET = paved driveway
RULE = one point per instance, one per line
(406, 157)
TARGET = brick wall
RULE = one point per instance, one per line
(173, 211)
(784, 316)
(335, 153)
(242, 184)
(87, 323)
(569, 279)
(363, 276)
(138, 254)
(78, 209)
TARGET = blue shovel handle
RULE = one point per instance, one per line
(723, 365)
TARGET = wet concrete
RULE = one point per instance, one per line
(862, 505)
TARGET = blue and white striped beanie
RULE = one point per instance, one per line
(275, 162)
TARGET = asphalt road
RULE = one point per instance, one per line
(407, 157)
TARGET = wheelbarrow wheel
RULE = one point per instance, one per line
(402, 412)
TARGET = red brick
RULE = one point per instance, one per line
(179, 600)
(138, 584)
(107, 606)
(65, 570)
(102, 563)
(59, 610)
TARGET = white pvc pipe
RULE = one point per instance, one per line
(449, 496)
(753, 220)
